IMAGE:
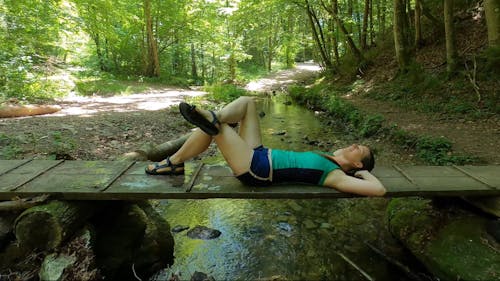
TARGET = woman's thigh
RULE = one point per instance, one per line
(235, 149)
(250, 126)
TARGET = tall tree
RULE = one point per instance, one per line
(401, 35)
(152, 60)
(317, 31)
(334, 12)
(364, 30)
(451, 49)
(492, 9)
(418, 26)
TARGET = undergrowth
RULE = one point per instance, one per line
(431, 150)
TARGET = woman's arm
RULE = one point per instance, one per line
(364, 183)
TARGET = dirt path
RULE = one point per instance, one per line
(104, 128)
(90, 128)
(471, 137)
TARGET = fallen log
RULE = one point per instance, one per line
(22, 204)
(7, 111)
(47, 226)
(132, 239)
(152, 152)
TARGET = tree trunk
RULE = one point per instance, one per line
(382, 17)
(401, 36)
(364, 30)
(132, 234)
(324, 55)
(349, 12)
(153, 63)
(352, 46)
(451, 50)
(372, 30)
(194, 72)
(154, 152)
(418, 27)
(46, 226)
(492, 10)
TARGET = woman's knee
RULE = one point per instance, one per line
(247, 99)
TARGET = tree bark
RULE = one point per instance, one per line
(153, 63)
(194, 71)
(418, 26)
(319, 42)
(401, 35)
(46, 226)
(154, 152)
(27, 110)
(352, 46)
(364, 30)
(132, 234)
(382, 17)
(492, 10)
(451, 50)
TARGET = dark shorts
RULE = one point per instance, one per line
(260, 168)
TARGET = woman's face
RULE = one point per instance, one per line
(354, 153)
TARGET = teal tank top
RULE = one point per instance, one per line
(306, 167)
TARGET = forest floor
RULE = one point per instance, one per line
(90, 128)
(471, 134)
(95, 127)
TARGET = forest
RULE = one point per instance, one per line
(418, 81)
(50, 48)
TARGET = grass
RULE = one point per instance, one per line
(431, 150)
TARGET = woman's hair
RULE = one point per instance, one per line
(369, 161)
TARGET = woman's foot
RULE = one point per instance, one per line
(206, 120)
(165, 167)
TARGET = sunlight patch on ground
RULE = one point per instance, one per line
(280, 80)
(155, 99)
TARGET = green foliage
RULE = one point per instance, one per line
(431, 150)
(371, 125)
(107, 87)
(224, 92)
(319, 96)
(60, 144)
(10, 146)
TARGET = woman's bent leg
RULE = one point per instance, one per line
(243, 110)
(197, 143)
(236, 151)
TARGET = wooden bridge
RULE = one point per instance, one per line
(120, 180)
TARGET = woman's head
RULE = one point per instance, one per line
(358, 157)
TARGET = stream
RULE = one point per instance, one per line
(313, 239)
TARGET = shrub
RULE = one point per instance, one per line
(224, 92)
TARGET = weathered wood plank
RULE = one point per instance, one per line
(85, 180)
(24, 173)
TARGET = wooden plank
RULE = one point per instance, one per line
(82, 180)
(76, 176)
(24, 173)
(10, 165)
(488, 174)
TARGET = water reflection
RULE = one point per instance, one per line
(294, 239)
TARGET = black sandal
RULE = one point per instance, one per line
(165, 169)
(194, 117)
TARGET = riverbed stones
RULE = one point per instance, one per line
(53, 266)
(309, 224)
(200, 276)
(179, 228)
(294, 205)
(203, 232)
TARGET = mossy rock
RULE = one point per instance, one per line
(453, 245)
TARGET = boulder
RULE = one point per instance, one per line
(451, 243)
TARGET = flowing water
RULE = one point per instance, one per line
(289, 239)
